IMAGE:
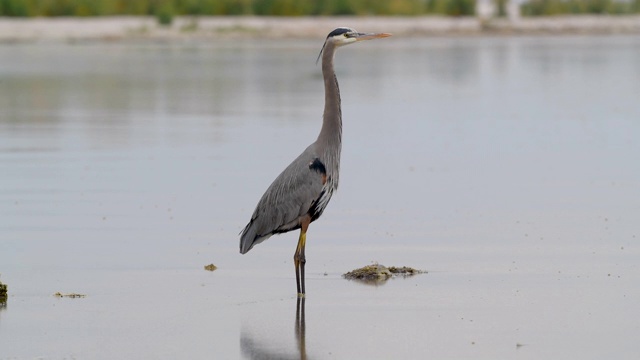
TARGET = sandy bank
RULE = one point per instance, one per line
(117, 28)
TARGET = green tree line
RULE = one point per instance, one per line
(29, 8)
(170, 8)
(560, 7)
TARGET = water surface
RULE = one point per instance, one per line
(507, 167)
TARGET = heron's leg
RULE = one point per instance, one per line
(299, 258)
(296, 262)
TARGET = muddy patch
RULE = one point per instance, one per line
(378, 273)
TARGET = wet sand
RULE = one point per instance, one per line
(189, 28)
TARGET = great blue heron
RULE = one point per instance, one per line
(299, 195)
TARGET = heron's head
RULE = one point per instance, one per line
(345, 36)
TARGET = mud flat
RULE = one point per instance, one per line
(185, 28)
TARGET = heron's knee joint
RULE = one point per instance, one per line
(299, 258)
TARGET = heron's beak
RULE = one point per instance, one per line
(370, 36)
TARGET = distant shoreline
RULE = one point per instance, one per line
(184, 28)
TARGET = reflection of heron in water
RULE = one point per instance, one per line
(301, 335)
(253, 349)
(299, 195)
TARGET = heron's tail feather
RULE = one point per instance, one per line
(246, 237)
(249, 237)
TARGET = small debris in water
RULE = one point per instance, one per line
(210, 267)
(3, 293)
(70, 295)
(378, 272)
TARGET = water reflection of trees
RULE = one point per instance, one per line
(113, 90)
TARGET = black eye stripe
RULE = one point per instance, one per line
(339, 31)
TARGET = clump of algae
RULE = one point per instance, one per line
(404, 270)
(379, 273)
(210, 267)
(3, 293)
(369, 272)
(70, 295)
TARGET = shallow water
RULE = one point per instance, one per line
(506, 167)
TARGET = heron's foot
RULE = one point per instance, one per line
(300, 295)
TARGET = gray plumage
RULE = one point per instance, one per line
(300, 194)
(296, 192)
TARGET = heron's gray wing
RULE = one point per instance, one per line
(291, 195)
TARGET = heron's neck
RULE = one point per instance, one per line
(330, 138)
